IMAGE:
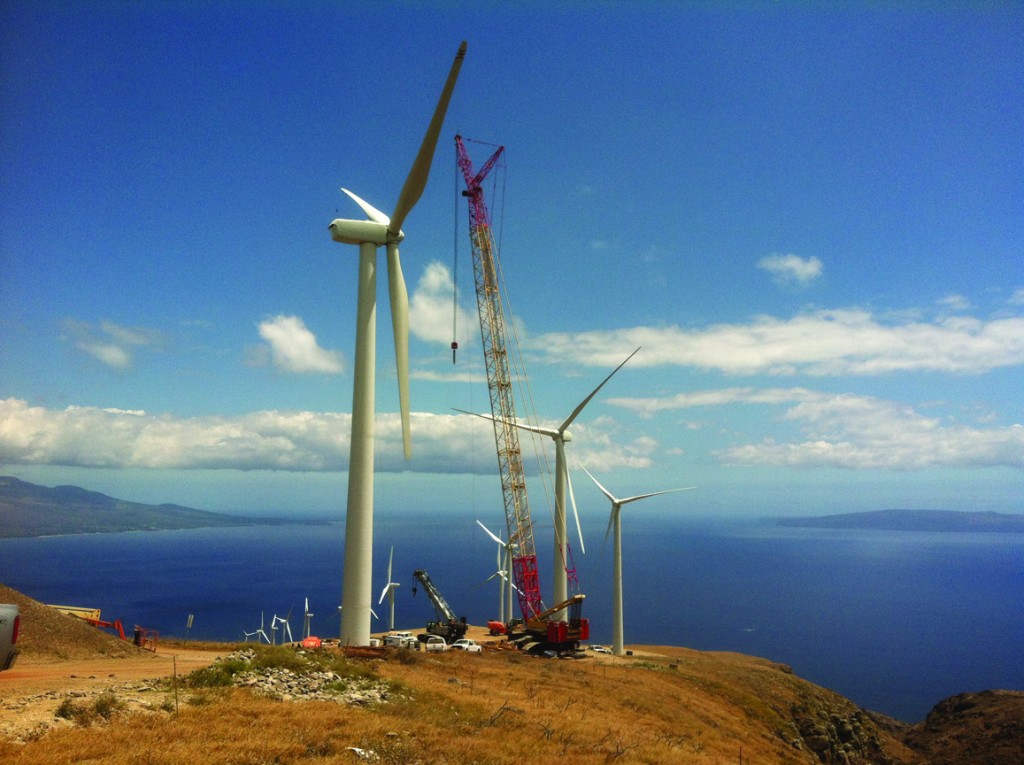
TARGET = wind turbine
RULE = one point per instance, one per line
(561, 435)
(307, 616)
(615, 523)
(389, 591)
(506, 574)
(378, 230)
(286, 628)
(258, 633)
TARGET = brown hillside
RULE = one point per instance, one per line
(984, 728)
(47, 634)
(659, 705)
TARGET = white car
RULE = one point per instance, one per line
(434, 643)
(599, 649)
(468, 645)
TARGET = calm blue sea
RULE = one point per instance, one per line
(895, 621)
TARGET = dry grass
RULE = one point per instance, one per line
(673, 706)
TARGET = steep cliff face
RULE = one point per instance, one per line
(985, 728)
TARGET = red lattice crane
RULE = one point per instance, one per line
(539, 622)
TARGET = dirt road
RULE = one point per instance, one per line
(31, 692)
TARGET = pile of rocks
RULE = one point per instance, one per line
(308, 685)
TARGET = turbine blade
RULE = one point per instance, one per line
(400, 326)
(575, 412)
(391, 557)
(521, 425)
(603, 490)
(572, 499)
(490, 534)
(654, 494)
(384, 594)
(417, 180)
(371, 212)
(611, 519)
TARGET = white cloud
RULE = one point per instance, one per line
(860, 432)
(850, 431)
(110, 343)
(823, 343)
(85, 436)
(293, 347)
(1017, 298)
(430, 308)
(791, 269)
(648, 407)
(955, 302)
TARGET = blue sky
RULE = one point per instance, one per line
(810, 217)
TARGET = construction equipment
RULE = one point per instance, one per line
(540, 627)
(448, 625)
(141, 636)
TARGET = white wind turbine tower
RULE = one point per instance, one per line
(257, 633)
(563, 482)
(286, 628)
(389, 591)
(505, 604)
(378, 230)
(307, 616)
(260, 633)
(615, 523)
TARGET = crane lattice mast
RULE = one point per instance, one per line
(499, 384)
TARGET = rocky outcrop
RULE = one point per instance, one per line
(985, 728)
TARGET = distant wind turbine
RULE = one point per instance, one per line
(615, 524)
(378, 230)
(389, 591)
(307, 617)
(503, 572)
(563, 482)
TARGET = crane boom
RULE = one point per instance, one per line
(499, 384)
(541, 624)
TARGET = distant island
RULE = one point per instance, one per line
(912, 520)
(29, 510)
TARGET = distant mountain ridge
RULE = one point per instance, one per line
(913, 520)
(30, 510)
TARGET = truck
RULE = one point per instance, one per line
(10, 626)
(467, 645)
(399, 640)
(432, 643)
(448, 625)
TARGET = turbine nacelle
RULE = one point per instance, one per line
(359, 231)
(376, 229)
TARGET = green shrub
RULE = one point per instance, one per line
(214, 676)
(106, 705)
(279, 657)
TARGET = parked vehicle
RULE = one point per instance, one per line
(470, 646)
(10, 626)
(399, 640)
(433, 643)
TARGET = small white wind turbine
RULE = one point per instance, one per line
(503, 572)
(389, 591)
(378, 230)
(260, 633)
(615, 525)
(307, 616)
(563, 482)
(286, 628)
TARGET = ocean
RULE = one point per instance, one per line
(894, 621)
